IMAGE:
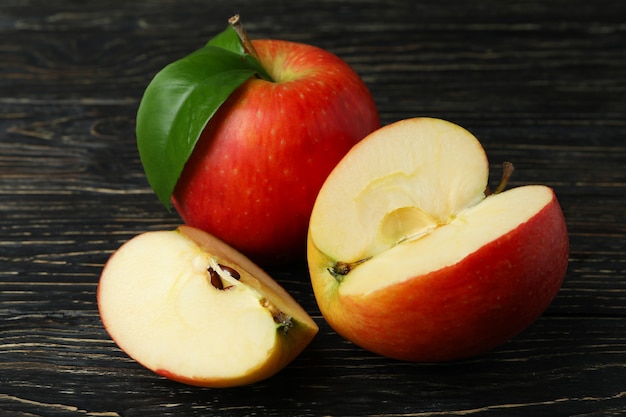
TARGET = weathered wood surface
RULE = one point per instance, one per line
(542, 84)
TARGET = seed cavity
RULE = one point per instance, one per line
(216, 279)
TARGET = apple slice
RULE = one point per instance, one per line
(410, 258)
(191, 308)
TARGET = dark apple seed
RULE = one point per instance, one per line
(216, 280)
(232, 272)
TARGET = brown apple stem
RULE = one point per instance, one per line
(507, 171)
(235, 22)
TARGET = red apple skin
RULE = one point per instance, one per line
(254, 175)
(465, 309)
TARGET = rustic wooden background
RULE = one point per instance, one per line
(541, 83)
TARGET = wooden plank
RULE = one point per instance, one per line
(540, 83)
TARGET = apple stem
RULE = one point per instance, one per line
(507, 171)
(235, 22)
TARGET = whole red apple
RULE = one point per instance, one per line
(260, 161)
(411, 257)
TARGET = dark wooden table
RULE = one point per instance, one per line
(542, 84)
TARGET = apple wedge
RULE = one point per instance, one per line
(410, 257)
(189, 307)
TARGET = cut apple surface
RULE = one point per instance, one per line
(410, 258)
(418, 175)
(189, 307)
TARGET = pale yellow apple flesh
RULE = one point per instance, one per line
(442, 245)
(158, 303)
(419, 175)
(411, 258)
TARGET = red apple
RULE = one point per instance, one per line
(190, 308)
(411, 258)
(254, 174)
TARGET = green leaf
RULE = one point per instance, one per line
(179, 102)
(257, 66)
(229, 40)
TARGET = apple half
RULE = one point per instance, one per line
(412, 258)
(189, 307)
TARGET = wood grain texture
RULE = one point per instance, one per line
(542, 84)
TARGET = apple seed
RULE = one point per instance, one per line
(216, 280)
